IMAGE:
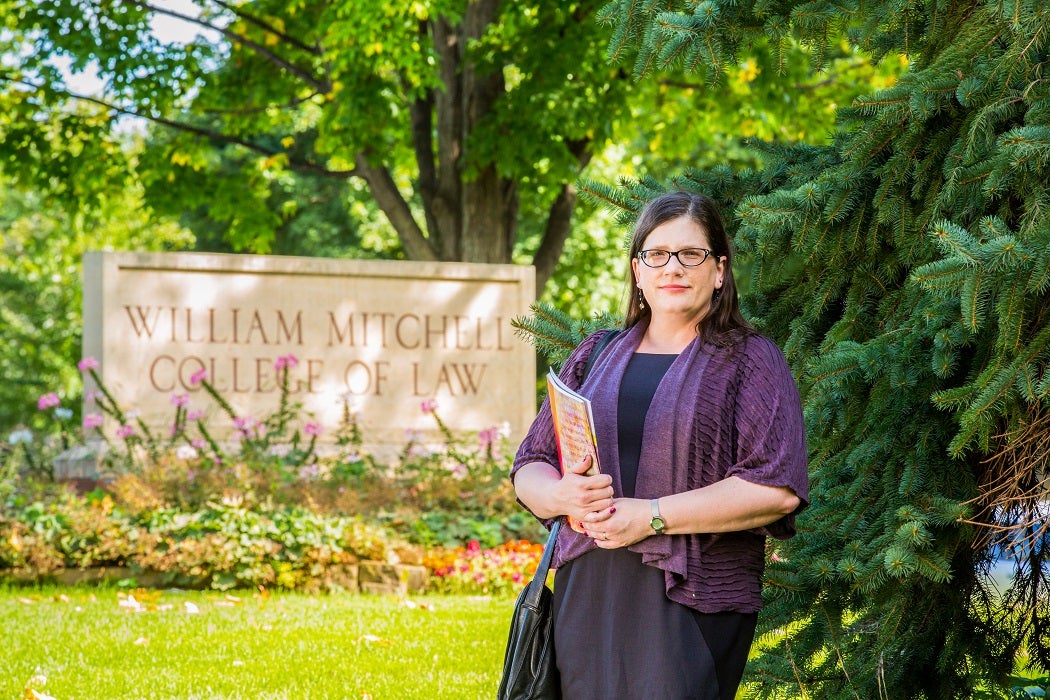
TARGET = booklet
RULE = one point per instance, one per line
(573, 429)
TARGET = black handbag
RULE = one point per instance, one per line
(529, 668)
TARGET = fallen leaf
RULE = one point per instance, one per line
(130, 604)
(190, 608)
(142, 641)
(27, 601)
(263, 596)
(372, 639)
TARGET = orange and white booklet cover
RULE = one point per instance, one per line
(573, 429)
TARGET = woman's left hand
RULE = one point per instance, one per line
(621, 525)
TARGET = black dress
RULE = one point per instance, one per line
(617, 635)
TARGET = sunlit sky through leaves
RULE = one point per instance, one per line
(167, 29)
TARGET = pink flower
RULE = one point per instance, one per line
(92, 420)
(473, 546)
(488, 436)
(198, 376)
(180, 400)
(313, 429)
(49, 400)
(247, 425)
(88, 363)
(195, 415)
(428, 406)
(124, 431)
(286, 362)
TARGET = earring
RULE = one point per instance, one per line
(641, 300)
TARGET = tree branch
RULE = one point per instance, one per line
(303, 74)
(267, 27)
(421, 113)
(298, 165)
(559, 221)
(291, 104)
(389, 199)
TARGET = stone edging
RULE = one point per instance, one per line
(364, 577)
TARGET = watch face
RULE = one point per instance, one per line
(657, 524)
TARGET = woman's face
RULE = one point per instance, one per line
(674, 289)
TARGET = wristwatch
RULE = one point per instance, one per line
(657, 523)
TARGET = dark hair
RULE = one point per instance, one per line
(723, 325)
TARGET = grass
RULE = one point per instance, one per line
(100, 643)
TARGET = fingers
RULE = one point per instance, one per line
(582, 494)
(601, 514)
(620, 525)
(583, 466)
(604, 538)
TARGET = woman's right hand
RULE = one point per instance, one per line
(580, 494)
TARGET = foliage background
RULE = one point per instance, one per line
(883, 168)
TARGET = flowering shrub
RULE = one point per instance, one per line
(263, 509)
(500, 570)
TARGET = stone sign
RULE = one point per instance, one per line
(377, 337)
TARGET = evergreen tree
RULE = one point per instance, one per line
(904, 268)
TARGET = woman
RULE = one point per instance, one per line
(702, 454)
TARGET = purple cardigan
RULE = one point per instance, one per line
(715, 414)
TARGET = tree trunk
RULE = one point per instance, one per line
(471, 211)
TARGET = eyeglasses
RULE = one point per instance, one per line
(688, 257)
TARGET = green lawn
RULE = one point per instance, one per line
(94, 643)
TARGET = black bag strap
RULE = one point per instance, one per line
(598, 347)
(539, 580)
